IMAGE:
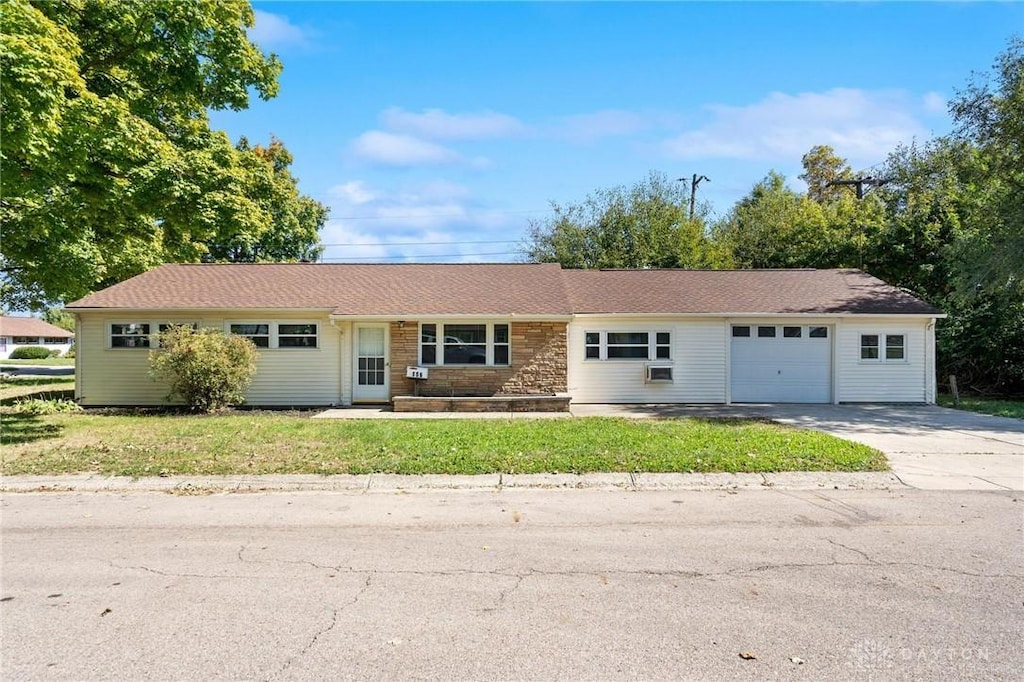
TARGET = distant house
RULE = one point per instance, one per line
(348, 334)
(31, 331)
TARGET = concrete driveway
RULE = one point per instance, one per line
(929, 447)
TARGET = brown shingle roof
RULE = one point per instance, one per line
(737, 291)
(503, 289)
(346, 289)
(30, 326)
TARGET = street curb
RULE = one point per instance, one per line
(390, 483)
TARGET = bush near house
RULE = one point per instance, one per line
(30, 353)
(206, 369)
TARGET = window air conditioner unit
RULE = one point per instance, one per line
(658, 374)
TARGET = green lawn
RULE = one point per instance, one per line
(279, 443)
(1001, 407)
(53, 362)
(20, 388)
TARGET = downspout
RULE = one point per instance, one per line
(930, 396)
(341, 358)
(78, 358)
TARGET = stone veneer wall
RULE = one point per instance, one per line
(538, 364)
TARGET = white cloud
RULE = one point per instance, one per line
(274, 30)
(354, 193)
(434, 220)
(606, 123)
(934, 103)
(861, 125)
(391, 149)
(438, 124)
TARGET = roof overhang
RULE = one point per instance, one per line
(923, 316)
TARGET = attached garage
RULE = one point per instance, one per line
(780, 363)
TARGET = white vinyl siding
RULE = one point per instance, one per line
(284, 377)
(884, 380)
(697, 353)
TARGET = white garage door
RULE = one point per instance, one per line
(781, 364)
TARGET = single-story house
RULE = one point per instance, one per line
(31, 331)
(344, 334)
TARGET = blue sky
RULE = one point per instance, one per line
(437, 131)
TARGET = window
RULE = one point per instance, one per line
(56, 340)
(663, 345)
(501, 344)
(26, 339)
(296, 336)
(593, 342)
(428, 344)
(628, 345)
(465, 344)
(869, 346)
(894, 347)
(818, 332)
(258, 333)
(792, 332)
(872, 345)
(129, 335)
(741, 332)
(766, 332)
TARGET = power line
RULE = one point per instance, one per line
(425, 255)
(505, 241)
(457, 214)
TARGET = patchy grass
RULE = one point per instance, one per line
(50, 362)
(44, 388)
(1000, 407)
(282, 443)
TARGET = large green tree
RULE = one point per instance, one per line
(642, 226)
(108, 162)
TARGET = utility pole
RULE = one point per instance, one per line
(860, 183)
(693, 190)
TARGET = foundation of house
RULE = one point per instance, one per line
(497, 403)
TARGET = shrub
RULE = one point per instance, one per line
(70, 352)
(205, 368)
(55, 353)
(42, 406)
(30, 353)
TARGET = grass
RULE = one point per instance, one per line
(1001, 407)
(287, 443)
(18, 388)
(50, 362)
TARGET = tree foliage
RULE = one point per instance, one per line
(643, 226)
(59, 317)
(108, 162)
(207, 369)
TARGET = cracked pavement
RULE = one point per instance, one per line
(523, 584)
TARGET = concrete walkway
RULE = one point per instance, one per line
(929, 447)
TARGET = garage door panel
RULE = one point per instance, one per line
(781, 369)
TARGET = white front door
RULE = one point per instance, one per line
(371, 364)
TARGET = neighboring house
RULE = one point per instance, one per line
(31, 331)
(346, 334)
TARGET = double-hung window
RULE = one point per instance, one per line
(627, 345)
(296, 336)
(465, 344)
(257, 332)
(129, 335)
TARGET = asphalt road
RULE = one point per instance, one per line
(527, 584)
